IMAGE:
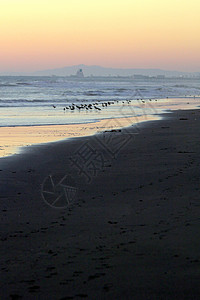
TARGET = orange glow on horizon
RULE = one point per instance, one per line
(115, 33)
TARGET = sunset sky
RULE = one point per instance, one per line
(43, 34)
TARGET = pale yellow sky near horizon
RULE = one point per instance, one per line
(142, 34)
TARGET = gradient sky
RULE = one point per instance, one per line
(42, 34)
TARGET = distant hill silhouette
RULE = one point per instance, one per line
(101, 71)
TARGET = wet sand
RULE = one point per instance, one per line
(12, 139)
(132, 228)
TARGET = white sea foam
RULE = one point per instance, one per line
(30, 100)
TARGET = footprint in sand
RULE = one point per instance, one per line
(107, 287)
(82, 295)
(34, 289)
(15, 297)
(95, 276)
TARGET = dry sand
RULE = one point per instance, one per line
(131, 232)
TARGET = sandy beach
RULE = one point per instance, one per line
(123, 114)
(16, 138)
(111, 216)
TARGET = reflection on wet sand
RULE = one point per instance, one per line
(12, 138)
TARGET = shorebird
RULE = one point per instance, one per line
(97, 108)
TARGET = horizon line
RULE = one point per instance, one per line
(97, 66)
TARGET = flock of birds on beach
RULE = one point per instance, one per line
(98, 106)
(88, 106)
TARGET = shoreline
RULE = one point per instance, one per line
(131, 231)
(13, 139)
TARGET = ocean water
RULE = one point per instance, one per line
(26, 101)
